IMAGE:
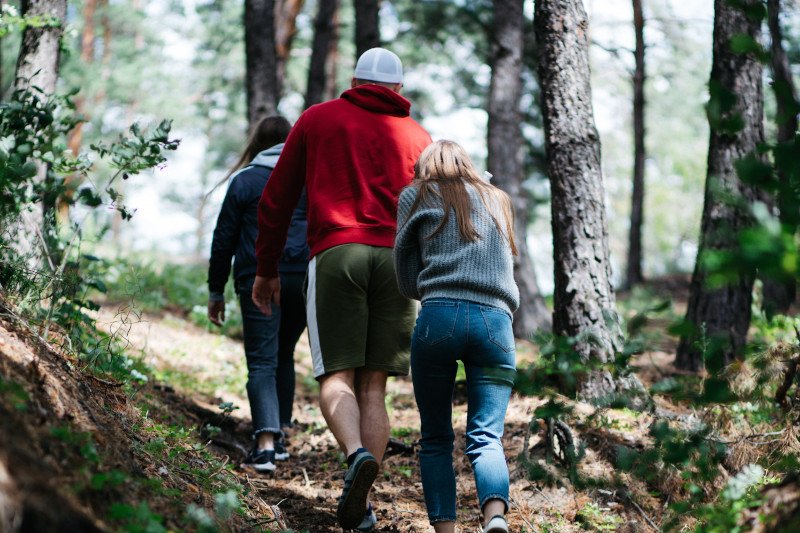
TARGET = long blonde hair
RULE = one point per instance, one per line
(443, 170)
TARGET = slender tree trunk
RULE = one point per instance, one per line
(332, 63)
(634, 271)
(368, 31)
(75, 139)
(286, 12)
(260, 78)
(584, 298)
(37, 63)
(87, 37)
(779, 295)
(504, 142)
(719, 317)
(324, 34)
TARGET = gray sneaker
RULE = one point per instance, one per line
(357, 481)
(497, 524)
(369, 521)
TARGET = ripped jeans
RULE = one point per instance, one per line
(481, 337)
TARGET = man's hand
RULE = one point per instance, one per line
(216, 311)
(266, 291)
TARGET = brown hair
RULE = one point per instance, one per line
(268, 132)
(443, 170)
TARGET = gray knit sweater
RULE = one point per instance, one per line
(447, 266)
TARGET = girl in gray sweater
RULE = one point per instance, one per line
(454, 252)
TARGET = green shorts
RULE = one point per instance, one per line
(356, 315)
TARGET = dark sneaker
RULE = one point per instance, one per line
(357, 481)
(497, 524)
(261, 460)
(369, 521)
(281, 453)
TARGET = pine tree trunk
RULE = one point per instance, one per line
(286, 12)
(332, 63)
(75, 139)
(719, 317)
(584, 302)
(324, 33)
(37, 63)
(368, 32)
(634, 270)
(260, 77)
(778, 295)
(504, 141)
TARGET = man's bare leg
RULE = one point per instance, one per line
(371, 397)
(337, 398)
(340, 407)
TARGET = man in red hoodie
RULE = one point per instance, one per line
(354, 155)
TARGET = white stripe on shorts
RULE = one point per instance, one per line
(311, 318)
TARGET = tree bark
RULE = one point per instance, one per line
(719, 317)
(779, 295)
(368, 32)
(584, 302)
(286, 12)
(634, 270)
(87, 36)
(75, 139)
(332, 63)
(37, 63)
(505, 153)
(261, 75)
(324, 39)
(37, 66)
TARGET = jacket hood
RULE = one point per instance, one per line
(269, 157)
(378, 99)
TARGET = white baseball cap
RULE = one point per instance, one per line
(379, 64)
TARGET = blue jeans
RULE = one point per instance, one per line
(261, 350)
(293, 323)
(481, 337)
(269, 343)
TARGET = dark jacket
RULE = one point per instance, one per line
(237, 229)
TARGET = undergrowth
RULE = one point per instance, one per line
(50, 283)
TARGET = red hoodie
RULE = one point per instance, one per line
(354, 155)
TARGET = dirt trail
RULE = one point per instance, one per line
(210, 368)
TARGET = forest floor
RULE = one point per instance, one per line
(209, 369)
(171, 435)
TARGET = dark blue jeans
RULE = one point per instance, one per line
(261, 350)
(269, 343)
(293, 323)
(481, 337)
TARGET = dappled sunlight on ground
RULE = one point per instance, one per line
(211, 369)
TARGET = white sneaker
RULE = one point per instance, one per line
(497, 524)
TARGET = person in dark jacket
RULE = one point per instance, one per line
(269, 341)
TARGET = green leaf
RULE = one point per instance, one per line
(744, 44)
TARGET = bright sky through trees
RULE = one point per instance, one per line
(672, 79)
